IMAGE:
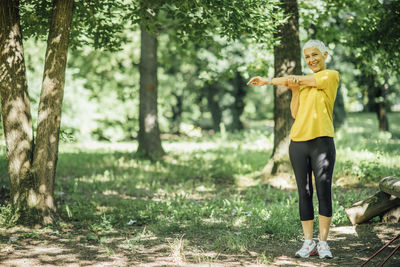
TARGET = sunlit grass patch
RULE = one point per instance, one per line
(364, 154)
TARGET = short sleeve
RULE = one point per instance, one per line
(327, 79)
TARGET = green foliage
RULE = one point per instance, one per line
(8, 216)
(365, 154)
(94, 23)
(373, 24)
(196, 20)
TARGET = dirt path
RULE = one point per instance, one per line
(350, 247)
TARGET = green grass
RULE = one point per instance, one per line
(105, 191)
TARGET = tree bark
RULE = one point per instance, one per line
(381, 109)
(392, 216)
(177, 111)
(377, 99)
(15, 106)
(49, 118)
(375, 205)
(287, 62)
(390, 185)
(213, 105)
(239, 94)
(149, 133)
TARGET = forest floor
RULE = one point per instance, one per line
(203, 204)
(350, 245)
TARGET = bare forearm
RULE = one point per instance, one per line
(307, 80)
(288, 81)
(279, 81)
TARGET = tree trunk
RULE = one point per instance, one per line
(213, 105)
(15, 106)
(381, 107)
(49, 117)
(149, 133)
(239, 94)
(390, 185)
(377, 99)
(375, 205)
(177, 111)
(287, 62)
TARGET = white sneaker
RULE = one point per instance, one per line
(307, 250)
(323, 250)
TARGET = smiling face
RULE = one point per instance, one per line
(314, 59)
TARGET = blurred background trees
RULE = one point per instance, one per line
(101, 99)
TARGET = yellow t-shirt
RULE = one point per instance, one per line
(314, 116)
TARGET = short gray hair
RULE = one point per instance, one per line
(317, 44)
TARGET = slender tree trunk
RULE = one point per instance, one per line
(377, 99)
(213, 105)
(49, 118)
(149, 133)
(370, 92)
(381, 106)
(15, 106)
(287, 62)
(177, 111)
(239, 94)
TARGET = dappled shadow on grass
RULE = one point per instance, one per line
(185, 208)
(355, 244)
(24, 247)
(124, 172)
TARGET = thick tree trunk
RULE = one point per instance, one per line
(239, 94)
(213, 105)
(287, 62)
(49, 117)
(149, 133)
(15, 106)
(375, 205)
(390, 185)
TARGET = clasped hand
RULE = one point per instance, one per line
(292, 82)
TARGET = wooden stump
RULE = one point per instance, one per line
(375, 205)
(390, 185)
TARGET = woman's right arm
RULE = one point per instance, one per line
(292, 82)
(306, 80)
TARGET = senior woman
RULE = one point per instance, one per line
(312, 148)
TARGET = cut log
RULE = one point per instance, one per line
(375, 205)
(392, 216)
(390, 185)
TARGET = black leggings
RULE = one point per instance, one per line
(318, 156)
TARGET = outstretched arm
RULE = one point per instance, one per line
(292, 82)
(306, 80)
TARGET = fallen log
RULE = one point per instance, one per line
(392, 216)
(375, 205)
(390, 185)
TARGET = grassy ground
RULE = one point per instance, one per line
(202, 203)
